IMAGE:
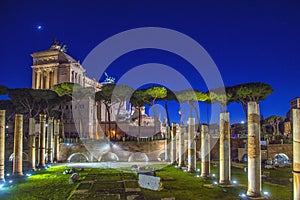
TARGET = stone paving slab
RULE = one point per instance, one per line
(108, 186)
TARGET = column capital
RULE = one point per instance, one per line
(50, 119)
(43, 117)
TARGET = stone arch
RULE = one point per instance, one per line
(108, 157)
(25, 157)
(82, 157)
(281, 158)
(138, 157)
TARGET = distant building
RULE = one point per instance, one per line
(54, 66)
(288, 126)
(295, 103)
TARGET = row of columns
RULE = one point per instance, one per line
(254, 152)
(174, 145)
(18, 143)
(44, 79)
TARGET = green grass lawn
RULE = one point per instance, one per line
(46, 184)
(53, 184)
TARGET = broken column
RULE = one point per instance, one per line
(191, 145)
(205, 151)
(50, 140)
(32, 144)
(2, 145)
(173, 143)
(56, 141)
(296, 153)
(42, 140)
(181, 146)
(225, 174)
(18, 145)
(254, 161)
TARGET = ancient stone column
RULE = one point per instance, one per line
(225, 174)
(38, 80)
(42, 140)
(173, 143)
(205, 151)
(2, 145)
(296, 153)
(56, 140)
(254, 161)
(47, 83)
(181, 147)
(191, 145)
(18, 145)
(32, 143)
(50, 140)
(42, 86)
(167, 144)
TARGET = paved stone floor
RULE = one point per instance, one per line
(103, 186)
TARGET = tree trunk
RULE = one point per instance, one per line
(108, 117)
(167, 112)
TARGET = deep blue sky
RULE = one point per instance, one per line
(248, 40)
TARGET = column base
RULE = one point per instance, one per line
(18, 175)
(181, 165)
(253, 194)
(224, 182)
(191, 170)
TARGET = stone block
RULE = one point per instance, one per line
(150, 182)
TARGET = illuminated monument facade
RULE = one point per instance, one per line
(55, 66)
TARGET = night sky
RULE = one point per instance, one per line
(249, 41)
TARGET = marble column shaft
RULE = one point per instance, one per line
(2, 145)
(50, 140)
(56, 140)
(42, 140)
(38, 80)
(254, 154)
(205, 151)
(173, 144)
(225, 171)
(296, 153)
(181, 147)
(32, 143)
(191, 146)
(18, 145)
(167, 144)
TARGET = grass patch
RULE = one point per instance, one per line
(47, 184)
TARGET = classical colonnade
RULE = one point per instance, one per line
(175, 152)
(48, 142)
(47, 77)
(45, 141)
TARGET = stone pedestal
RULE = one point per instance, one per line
(191, 146)
(296, 153)
(225, 172)
(18, 145)
(2, 145)
(173, 144)
(254, 155)
(32, 143)
(205, 151)
(56, 140)
(181, 147)
(42, 141)
(50, 140)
